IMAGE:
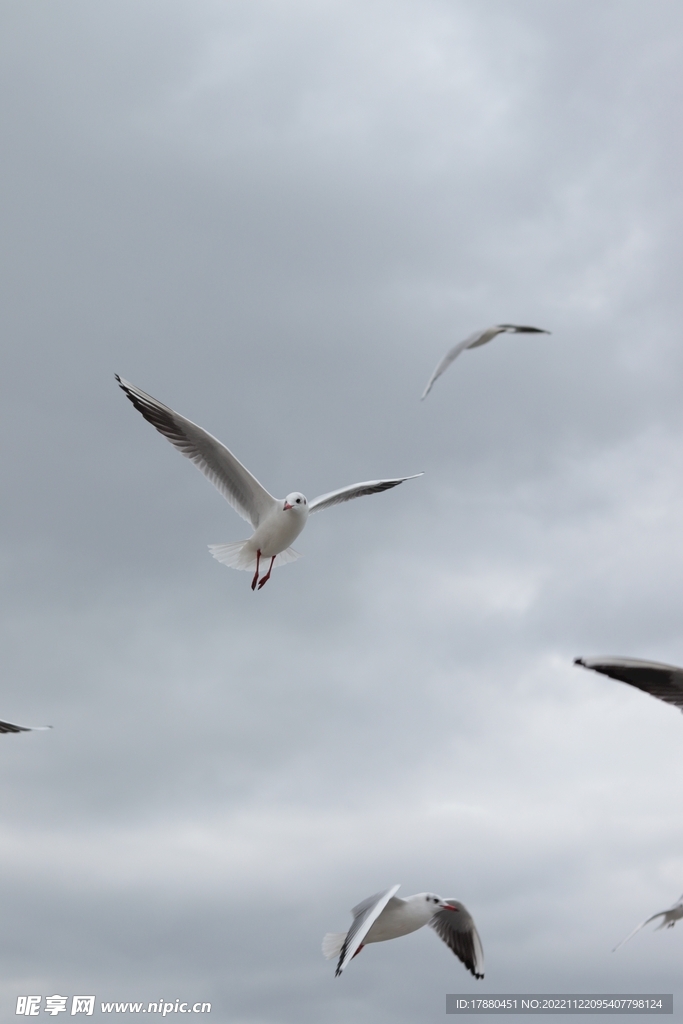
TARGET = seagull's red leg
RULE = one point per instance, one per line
(258, 561)
(267, 576)
(358, 950)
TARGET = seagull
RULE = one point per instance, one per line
(669, 918)
(663, 681)
(474, 341)
(9, 727)
(276, 521)
(386, 916)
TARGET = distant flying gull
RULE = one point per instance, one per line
(663, 681)
(386, 916)
(669, 918)
(474, 341)
(276, 521)
(8, 727)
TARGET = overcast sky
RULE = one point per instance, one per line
(276, 218)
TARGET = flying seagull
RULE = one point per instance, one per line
(276, 521)
(663, 681)
(8, 727)
(474, 341)
(386, 916)
(669, 918)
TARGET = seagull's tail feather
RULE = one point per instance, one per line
(288, 555)
(237, 555)
(240, 555)
(332, 944)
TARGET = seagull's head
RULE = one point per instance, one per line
(435, 903)
(424, 905)
(296, 503)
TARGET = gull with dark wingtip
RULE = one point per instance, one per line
(662, 681)
(385, 916)
(277, 522)
(474, 341)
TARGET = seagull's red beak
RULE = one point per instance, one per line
(447, 906)
(287, 505)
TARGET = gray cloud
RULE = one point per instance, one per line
(277, 220)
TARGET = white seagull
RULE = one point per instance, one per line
(474, 341)
(9, 727)
(669, 918)
(276, 521)
(662, 681)
(386, 916)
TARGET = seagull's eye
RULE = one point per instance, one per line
(298, 501)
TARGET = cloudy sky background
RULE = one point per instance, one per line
(276, 218)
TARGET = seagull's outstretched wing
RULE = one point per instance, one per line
(474, 341)
(662, 681)
(641, 925)
(364, 916)
(356, 491)
(478, 338)
(217, 463)
(9, 727)
(457, 929)
(519, 329)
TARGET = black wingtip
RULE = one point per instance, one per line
(9, 728)
(523, 329)
(579, 661)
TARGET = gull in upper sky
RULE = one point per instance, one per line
(9, 727)
(662, 681)
(386, 916)
(276, 521)
(474, 341)
(669, 918)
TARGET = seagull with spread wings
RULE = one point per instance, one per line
(385, 916)
(655, 678)
(277, 522)
(669, 918)
(474, 341)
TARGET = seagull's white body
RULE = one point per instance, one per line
(669, 918)
(278, 528)
(385, 916)
(277, 522)
(474, 341)
(662, 681)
